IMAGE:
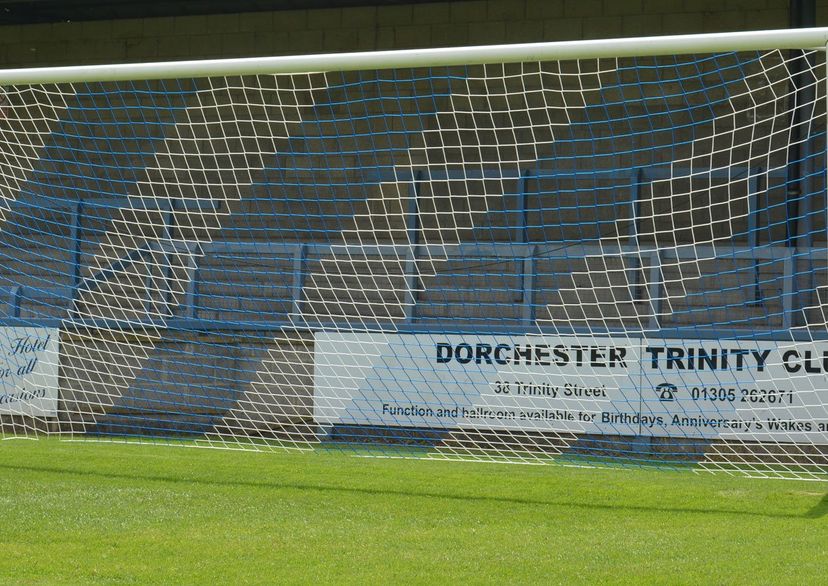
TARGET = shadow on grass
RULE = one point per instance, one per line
(818, 511)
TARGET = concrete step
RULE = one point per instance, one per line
(355, 288)
(44, 306)
(567, 310)
(24, 264)
(491, 312)
(243, 308)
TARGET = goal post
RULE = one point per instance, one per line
(608, 252)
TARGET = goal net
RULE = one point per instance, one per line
(580, 253)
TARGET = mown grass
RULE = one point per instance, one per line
(100, 513)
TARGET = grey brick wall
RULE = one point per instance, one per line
(385, 27)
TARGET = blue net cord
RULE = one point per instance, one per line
(617, 261)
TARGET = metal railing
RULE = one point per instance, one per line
(521, 251)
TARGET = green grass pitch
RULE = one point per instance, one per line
(101, 513)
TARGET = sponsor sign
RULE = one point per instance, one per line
(581, 384)
(29, 371)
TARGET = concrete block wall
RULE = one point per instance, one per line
(384, 27)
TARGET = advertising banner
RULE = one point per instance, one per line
(29, 371)
(751, 390)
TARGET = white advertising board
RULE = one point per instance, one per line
(29, 371)
(581, 384)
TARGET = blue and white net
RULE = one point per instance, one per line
(597, 261)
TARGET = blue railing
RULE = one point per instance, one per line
(521, 251)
